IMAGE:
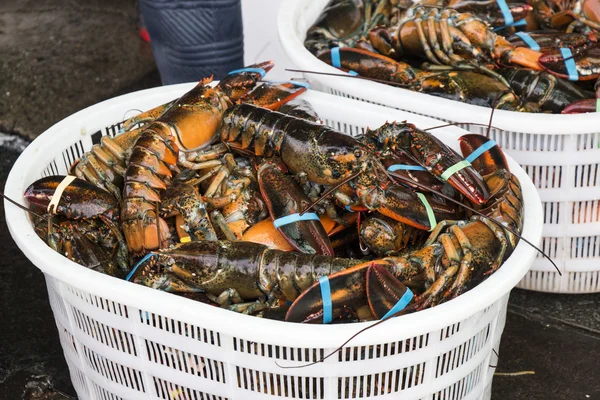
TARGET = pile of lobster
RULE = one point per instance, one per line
(237, 195)
(525, 55)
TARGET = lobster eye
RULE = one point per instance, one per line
(358, 153)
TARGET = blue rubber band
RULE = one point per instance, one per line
(335, 57)
(480, 150)
(508, 18)
(349, 209)
(520, 22)
(401, 304)
(326, 295)
(261, 71)
(405, 167)
(297, 83)
(289, 219)
(336, 61)
(146, 257)
(529, 41)
(569, 63)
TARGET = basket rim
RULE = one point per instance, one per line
(536, 123)
(273, 332)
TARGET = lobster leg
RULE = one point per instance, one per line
(184, 199)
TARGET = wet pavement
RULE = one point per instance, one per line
(59, 57)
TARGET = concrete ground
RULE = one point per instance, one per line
(61, 56)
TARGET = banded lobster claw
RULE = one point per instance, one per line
(578, 64)
(581, 106)
(367, 284)
(305, 233)
(432, 154)
(370, 64)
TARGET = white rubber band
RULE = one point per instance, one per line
(58, 193)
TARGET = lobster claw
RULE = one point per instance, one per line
(577, 65)
(581, 106)
(306, 235)
(371, 65)
(412, 208)
(435, 156)
(368, 283)
(348, 289)
(385, 292)
(489, 161)
(239, 82)
(273, 95)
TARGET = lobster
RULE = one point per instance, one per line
(456, 255)
(328, 157)
(82, 204)
(106, 163)
(252, 270)
(465, 86)
(343, 22)
(543, 91)
(448, 37)
(190, 123)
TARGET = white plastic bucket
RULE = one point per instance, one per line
(125, 341)
(561, 154)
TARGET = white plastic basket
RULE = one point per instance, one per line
(125, 341)
(561, 154)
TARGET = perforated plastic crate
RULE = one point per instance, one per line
(561, 154)
(125, 341)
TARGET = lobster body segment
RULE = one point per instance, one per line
(251, 268)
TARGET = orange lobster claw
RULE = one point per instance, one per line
(264, 232)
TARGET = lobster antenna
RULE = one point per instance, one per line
(131, 109)
(402, 85)
(27, 209)
(421, 186)
(329, 191)
(487, 133)
(456, 124)
(340, 347)
(489, 124)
